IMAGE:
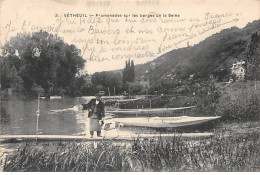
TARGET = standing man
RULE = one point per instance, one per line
(96, 112)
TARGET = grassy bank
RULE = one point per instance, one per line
(239, 101)
(219, 153)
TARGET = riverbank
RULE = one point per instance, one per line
(234, 147)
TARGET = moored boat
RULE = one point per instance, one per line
(55, 97)
(164, 122)
(138, 112)
(128, 100)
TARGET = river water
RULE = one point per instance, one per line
(57, 117)
(19, 116)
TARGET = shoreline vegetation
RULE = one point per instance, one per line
(235, 152)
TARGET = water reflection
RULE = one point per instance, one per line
(5, 117)
(19, 116)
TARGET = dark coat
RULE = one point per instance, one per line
(100, 108)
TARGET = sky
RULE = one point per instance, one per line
(107, 42)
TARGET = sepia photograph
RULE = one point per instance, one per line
(129, 86)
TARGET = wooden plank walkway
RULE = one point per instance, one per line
(87, 138)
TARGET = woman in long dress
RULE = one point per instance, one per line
(96, 112)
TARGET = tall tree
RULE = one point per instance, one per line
(46, 61)
(9, 73)
(132, 71)
(16, 82)
(124, 74)
(253, 57)
(128, 72)
(109, 80)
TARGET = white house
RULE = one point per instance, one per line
(239, 70)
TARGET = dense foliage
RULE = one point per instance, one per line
(40, 63)
(239, 101)
(253, 59)
(109, 82)
(128, 72)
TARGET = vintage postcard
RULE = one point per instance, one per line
(130, 86)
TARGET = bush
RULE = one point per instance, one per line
(241, 104)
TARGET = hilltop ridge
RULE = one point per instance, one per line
(214, 55)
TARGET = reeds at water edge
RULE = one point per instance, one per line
(218, 153)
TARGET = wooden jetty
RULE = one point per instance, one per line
(114, 137)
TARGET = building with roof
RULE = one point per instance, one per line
(239, 69)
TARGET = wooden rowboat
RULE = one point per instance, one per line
(128, 100)
(55, 97)
(134, 112)
(164, 122)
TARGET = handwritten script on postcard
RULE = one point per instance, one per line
(127, 36)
